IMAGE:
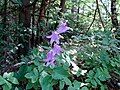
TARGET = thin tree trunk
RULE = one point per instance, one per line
(5, 14)
(114, 14)
(25, 19)
(26, 13)
(62, 5)
(41, 17)
(33, 24)
(115, 20)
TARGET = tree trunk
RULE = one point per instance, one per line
(41, 17)
(25, 19)
(115, 20)
(114, 14)
(4, 20)
(62, 5)
(26, 13)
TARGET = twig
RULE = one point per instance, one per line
(106, 8)
(99, 13)
(22, 63)
(93, 20)
(97, 8)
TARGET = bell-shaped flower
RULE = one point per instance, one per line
(50, 58)
(56, 49)
(54, 38)
(62, 27)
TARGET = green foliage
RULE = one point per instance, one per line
(89, 59)
(7, 80)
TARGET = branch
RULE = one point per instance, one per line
(97, 8)
(93, 20)
(106, 8)
(99, 13)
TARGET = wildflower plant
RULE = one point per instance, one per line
(55, 42)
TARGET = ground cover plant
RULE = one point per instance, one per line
(59, 45)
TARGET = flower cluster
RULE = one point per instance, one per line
(54, 40)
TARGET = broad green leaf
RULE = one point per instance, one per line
(34, 79)
(62, 71)
(67, 81)
(46, 81)
(2, 80)
(35, 72)
(33, 75)
(36, 61)
(61, 86)
(8, 75)
(102, 88)
(9, 84)
(105, 41)
(91, 74)
(35, 51)
(57, 76)
(98, 81)
(76, 84)
(6, 87)
(71, 88)
(13, 80)
(50, 87)
(40, 68)
(84, 88)
(29, 75)
(29, 86)
(106, 73)
(16, 88)
(93, 82)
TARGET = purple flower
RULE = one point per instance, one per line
(56, 49)
(50, 58)
(62, 27)
(54, 37)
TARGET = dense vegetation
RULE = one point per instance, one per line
(59, 45)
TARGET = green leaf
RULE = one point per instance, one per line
(76, 84)
(35, 51)
(21, 72)
(60, 70)
(6, 87)
(40, 68)
(29, 86)
(106, 73)
(36, 61)
(33, 75)
(35, 72)
(2, 80)
(50, 87)
(46, 81)
(8, 75)
(13, 80)
(91, 74)
(16, 88)
(105, 41)
(29, 75)
(71, 88)
(88, 80)
(61, 86)
(98, 81)
(67, 81)
(102, 88)
(34, 79)
(93, 82)
(57, 76)
(84, 88)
